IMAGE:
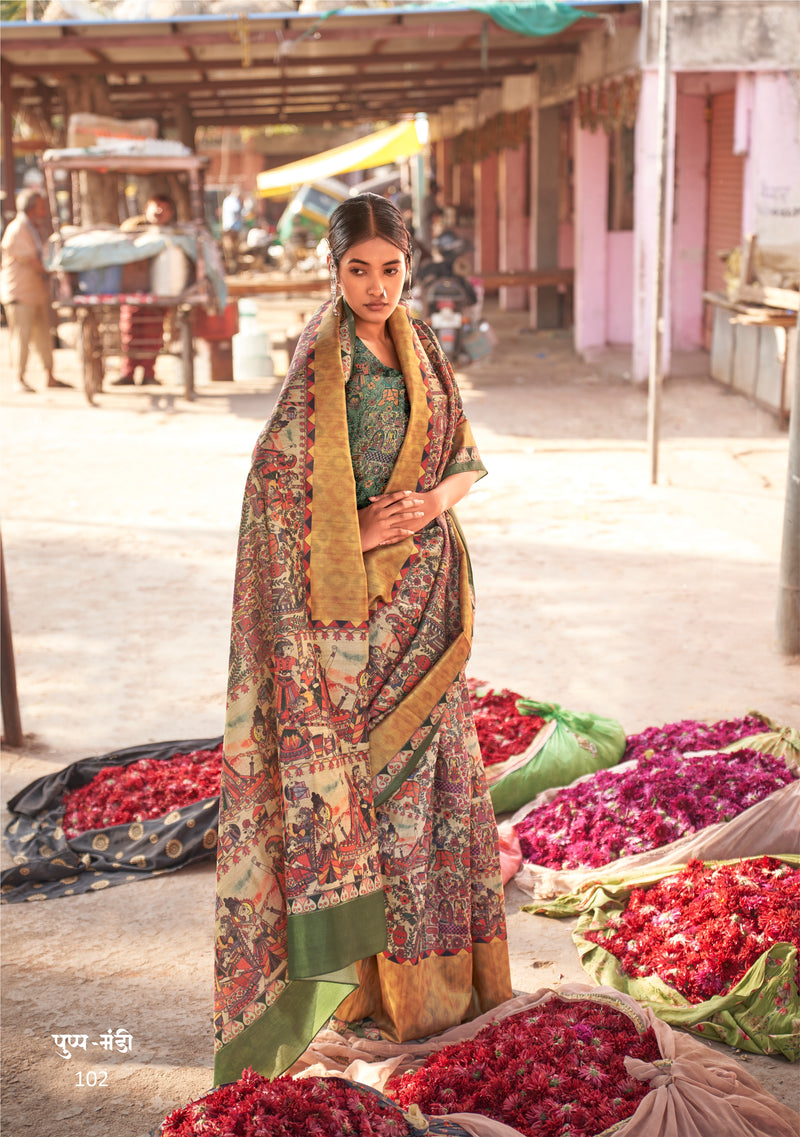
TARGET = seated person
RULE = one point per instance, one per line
(141, 326)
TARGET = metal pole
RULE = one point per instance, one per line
(12, 724)
(788, 622)
(657, 325)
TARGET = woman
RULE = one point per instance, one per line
(358, 867)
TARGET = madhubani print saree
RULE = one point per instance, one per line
(358, 866)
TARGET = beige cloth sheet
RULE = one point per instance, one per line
(769, 828)
(694, 1090)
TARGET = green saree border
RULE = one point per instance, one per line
(412, 763)
(284, 1029)
(330, 938)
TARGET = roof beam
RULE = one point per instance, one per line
(499, 57)
(209, 89)
(332, 32)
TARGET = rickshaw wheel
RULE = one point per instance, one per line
(90, 355)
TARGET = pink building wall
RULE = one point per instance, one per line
(689, 232)
(771, 204)
(619, 286)
(591, 244)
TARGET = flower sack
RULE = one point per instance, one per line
(689, 1087)
(567, 746)
(661, 808)
(84, 828)
(696, 927)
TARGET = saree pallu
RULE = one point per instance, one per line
(357, 859)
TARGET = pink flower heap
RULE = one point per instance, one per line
(616, 813)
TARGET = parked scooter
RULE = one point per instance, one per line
(450, 303)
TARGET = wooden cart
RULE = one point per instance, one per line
(98, 315)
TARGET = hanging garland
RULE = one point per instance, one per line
(610, 104)
(504, 131)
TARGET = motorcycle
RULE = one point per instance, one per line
(450, 302)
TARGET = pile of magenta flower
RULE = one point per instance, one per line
(554, 1070)
(701, 929)
(668, 793)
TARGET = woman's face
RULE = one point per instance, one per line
(372, 274)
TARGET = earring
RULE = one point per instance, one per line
(334, 288)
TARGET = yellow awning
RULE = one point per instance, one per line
(378, 149)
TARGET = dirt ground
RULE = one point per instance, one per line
(596, 589)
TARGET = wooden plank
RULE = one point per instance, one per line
(268, 283)
(536, 278)
(787, 298)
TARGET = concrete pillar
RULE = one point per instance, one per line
(486, 214)
(186, 125)
(547, 302)
(533, 198)
(591, 208)
(513, 227)
(689, 233)
(645, 236)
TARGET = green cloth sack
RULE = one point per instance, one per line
(570, 746)
(760, 1014)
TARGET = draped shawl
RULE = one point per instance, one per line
(299, 889)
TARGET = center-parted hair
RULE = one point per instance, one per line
(363, 217)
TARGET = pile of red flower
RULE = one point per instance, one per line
(661, 798)
(551, 1070)
(701, 929)
(503, 731)
(144, 790)
(308, 1107)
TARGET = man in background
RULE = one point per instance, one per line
(232, 221)
(25, 288)
(141, 326)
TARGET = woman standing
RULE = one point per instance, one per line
(358, 867)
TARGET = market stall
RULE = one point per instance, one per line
(102, 269)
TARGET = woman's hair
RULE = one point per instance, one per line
(363, 217)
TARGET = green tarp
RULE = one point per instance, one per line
(760, 1014)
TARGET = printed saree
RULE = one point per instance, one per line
(358, 858)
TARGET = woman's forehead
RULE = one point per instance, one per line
(375, 250)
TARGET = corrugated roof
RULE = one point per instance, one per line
(354, 66)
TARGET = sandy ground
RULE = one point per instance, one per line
(596, 590)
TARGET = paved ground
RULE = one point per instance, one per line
(595, 588)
